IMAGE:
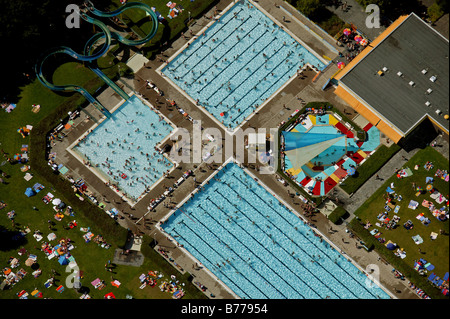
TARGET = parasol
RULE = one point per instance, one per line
(358, 38)
(29, 262)
(17, 157)
(351, 171)
(347, 31)
(390, 246)
(364, 42)
(56, 201)
(341, 65)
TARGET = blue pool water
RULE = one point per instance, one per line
(259, 248)
(238, 63)
(125, 144)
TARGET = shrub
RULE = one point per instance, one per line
(337, 215)
(434, 12)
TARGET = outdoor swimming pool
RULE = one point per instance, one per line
(238, 63)
(258, 247)
(122, 148)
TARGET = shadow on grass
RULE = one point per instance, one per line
(11, 240)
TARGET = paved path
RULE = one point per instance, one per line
(356, 15)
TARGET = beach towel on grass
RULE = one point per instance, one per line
(417, 239)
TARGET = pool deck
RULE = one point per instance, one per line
(269, 116)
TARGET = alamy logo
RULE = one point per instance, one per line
(373, 276)
(73, 279)
(373, 19)
(189, 148)
(73, 19)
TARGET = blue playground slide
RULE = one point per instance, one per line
(107, 35)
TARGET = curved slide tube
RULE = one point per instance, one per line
(87, 57)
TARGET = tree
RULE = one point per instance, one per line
(29, 28)
(309, 7)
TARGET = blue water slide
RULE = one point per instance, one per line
(88, 57)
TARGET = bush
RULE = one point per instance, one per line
(337, 215)
(309, 7)
(434, 12)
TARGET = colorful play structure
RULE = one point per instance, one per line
(320, 150)
(89, 57)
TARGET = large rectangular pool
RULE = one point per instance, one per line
(238, 63)
(258, 247)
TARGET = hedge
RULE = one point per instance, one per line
(336, 215)
(372, 165)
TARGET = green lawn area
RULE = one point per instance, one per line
(431, 250)
(90, 257)
(141, 25)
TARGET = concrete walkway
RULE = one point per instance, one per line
(355, 14)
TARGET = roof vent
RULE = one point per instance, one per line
(411, 83)
(399, 73)
(424, 71)
(429, 91)
(384, 69)
(380, 73)
(438, 112)
(427, 103)
(433, 78)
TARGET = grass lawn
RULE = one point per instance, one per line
(141, 25)
(431, 250)
(90, 257)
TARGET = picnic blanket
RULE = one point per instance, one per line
(417, 239)
(413, 204)
(404, 173)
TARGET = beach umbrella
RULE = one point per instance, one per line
(264, 157)
(17, 157)
(29, 262)
(347, 31)
(351, 171)
(56, 201)
(358, 38)
(341, 65)
(364, 42)
(390, 246)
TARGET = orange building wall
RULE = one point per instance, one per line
(368, 114)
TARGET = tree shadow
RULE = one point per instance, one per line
(162, 44)
(11, 239)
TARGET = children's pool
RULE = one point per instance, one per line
(320, 150)
(122, 148)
